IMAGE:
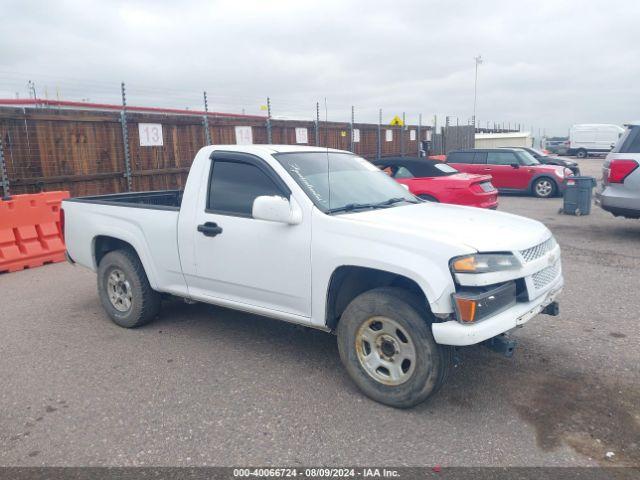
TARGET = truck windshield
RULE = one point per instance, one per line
(342, 182)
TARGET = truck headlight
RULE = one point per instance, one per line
(484, 263)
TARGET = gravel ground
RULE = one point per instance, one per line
(208, 386)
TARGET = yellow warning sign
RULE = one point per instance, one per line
(396, 121)
(343, 133)
(264, 108)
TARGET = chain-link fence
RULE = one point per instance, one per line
(97, 150)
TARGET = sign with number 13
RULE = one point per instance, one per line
(150, 134)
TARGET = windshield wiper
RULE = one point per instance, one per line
(357, 206)
(353, 206)
(391, 201)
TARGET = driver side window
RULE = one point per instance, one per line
(234, 186)
(501, 158)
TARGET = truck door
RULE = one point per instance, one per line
(241, 259)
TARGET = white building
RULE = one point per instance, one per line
(507, 139)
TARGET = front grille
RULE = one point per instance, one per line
(545, 276)
(539, 250)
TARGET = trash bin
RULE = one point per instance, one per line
(577, 196)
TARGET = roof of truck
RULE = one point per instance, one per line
(269, 149)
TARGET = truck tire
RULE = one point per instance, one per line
(386, 346)
(124, 290)
(544, 187)
(581, 153)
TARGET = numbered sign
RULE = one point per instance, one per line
(150, 134)
(302, 136)
(388, 135)
(244, 136)
(412, 135)
(356, 135)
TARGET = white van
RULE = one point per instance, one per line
(593, 138)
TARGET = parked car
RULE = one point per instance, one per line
(619, 191)
(559, 146)
(593, 138)
(438, 182)
(322, 238)
(551, 160)
(512, 170)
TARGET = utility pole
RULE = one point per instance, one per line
(478, 60)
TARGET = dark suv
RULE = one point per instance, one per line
(512, 169)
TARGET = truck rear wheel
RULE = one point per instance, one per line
(124, 290)
(581, 153)
(386, 345)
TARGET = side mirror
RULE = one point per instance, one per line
(276, 209)
(515, 165)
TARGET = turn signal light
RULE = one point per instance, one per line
(466, 309)
(465, 264)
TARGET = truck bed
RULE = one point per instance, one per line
(158, 200)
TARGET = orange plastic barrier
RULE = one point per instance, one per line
(30, 230)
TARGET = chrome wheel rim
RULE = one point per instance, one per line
(544, 188)
(385, 350)
(119, 290)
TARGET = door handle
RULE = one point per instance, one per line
(487, 169)
(210, 229)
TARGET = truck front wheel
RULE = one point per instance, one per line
(124, 290)
(386, 345)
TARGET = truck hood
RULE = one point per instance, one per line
(480, 229)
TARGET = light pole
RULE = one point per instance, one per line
(475, 88)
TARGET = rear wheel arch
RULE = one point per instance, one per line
(349, 281)
(103, 244)
(124, 289)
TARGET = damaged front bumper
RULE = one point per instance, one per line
(455, 333)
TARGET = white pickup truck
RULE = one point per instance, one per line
(322, 238)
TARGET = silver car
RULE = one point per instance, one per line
(619, 192)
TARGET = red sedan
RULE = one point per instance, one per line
(438, 182)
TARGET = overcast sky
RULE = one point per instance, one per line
(546, 64)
